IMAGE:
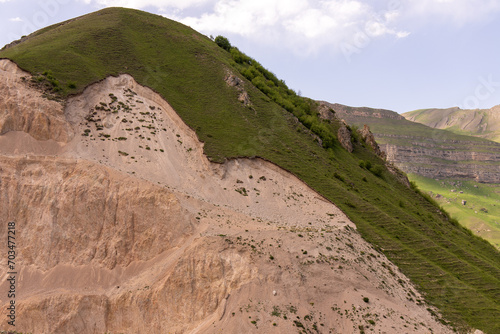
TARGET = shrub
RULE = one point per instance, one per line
(267, 82)
(223, 42)
(338, 176)
(240, 57)
(298, 324)
(377, 170)
(276, 311)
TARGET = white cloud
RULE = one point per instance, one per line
(245, 17)
(310, 26)
(15, 19)
(457, 11)
(303, 25)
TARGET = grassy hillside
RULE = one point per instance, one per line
(483, 123)
(481, 211)
(392, 129)
(458, 272)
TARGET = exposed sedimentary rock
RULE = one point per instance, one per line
(120, 233)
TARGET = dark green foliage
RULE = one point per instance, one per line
(298, 324)
(302, 108)
(377, 170)
(223, 42)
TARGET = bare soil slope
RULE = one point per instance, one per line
(124, 226)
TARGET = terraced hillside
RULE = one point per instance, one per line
(422, 150)
(239, 109)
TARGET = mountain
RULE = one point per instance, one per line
(159, 182)
(419, 149)
(483, 123)
(450, 167)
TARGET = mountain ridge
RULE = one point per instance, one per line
(483, 123)
(419, 149)
(197, 67)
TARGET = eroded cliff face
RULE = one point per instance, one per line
(343, 111)
(440, 159)
(428, 152)
(124, 226)
(22, 107)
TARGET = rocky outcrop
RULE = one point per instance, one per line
(343, 111)
(22, 108)
(326, 112)
(399, 174)
(445, 159)
(233, 81)
(344, 137)
(368, 138)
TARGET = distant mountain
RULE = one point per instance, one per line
(343, 111)
(420, 149)
(483, 123)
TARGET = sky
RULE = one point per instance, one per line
(400, 55)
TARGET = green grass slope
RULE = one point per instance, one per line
(481, 211)
(458, 272)
(483, 123)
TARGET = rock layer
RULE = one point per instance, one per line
(22, 107)
(432, 153)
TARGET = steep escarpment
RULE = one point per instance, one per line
(130, 228)
(444, 158)
(23, 109)
(424, 151)
(343, 111)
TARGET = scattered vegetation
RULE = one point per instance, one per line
(458, 272)
(306, 110)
